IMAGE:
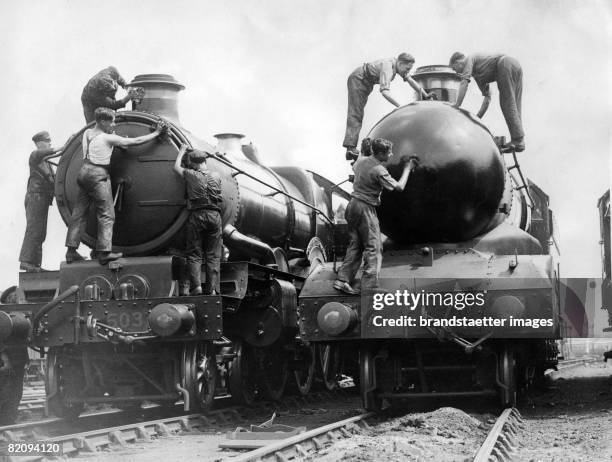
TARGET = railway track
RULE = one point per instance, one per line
(73, 443)
(499, 445)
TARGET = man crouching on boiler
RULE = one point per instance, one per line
(364, 231)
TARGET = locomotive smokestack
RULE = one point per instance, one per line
(440, 80)
(161, 95)
(229, 143)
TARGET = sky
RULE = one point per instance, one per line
(276, 71)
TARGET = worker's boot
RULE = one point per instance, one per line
(30, 268)
(351, 154)
(72, 255)
(517, 145)
(105, 257)
(345, 287)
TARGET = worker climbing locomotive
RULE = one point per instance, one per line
(120, 333)
(466, 226)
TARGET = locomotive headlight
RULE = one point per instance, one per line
(170, 319)
(14, 325)
(506, 306)
(336, 318)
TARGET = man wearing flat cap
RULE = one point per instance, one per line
(100, 91)
(39, 197)
(204, 200)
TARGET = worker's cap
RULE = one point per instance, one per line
(197, 156)
(41, 136)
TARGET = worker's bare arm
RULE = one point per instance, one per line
(388, 97)
(116, 140)
(177, 163)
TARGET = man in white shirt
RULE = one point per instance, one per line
(95, 185)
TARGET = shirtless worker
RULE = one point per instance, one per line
(95, 185)
(507, 73)
(361, 83)
(364, 230)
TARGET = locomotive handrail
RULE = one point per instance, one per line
(52, 304)
(278, 191)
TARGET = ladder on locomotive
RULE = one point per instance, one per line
(522, 184)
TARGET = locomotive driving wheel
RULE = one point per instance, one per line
(242, 369)
(273, 371)
(199, 374)
(64, 381)
(329, 365)
(367, 380)
(11, 389)
(304, 376)
(507, 376)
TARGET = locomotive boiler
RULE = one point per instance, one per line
(468, 226)
(120, 333)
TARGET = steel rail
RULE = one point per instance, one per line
(501, 440)
(91, 440)
(303, 444)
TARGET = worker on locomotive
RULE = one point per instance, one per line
(100, 90)
(361, 83)
(204, 242)
(364, 231)
(507, 72)
(39, 197)
(95, 185)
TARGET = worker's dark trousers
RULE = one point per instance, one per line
(365, 243)
(37, 211)
(359, 88)
(204, 245)
(88, 109)
(94, 187)
(510, 85)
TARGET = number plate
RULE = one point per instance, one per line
(129, 321)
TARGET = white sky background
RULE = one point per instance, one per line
(276, 71)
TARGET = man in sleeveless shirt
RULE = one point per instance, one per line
(100, 91)
(95, 185)
(365, 242)
(204, 243)
(361, 83)
(39, 197)
(507, 72)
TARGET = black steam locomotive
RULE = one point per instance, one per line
(467, 227)
(466, 224)
(120, 333)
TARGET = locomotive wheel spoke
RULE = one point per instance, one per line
(273, 371)
(329, 365)
(304, 377)
(242, 381)
(199, 375)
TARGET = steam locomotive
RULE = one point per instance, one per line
(467, 223)
(120, 333)
(467, 226)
